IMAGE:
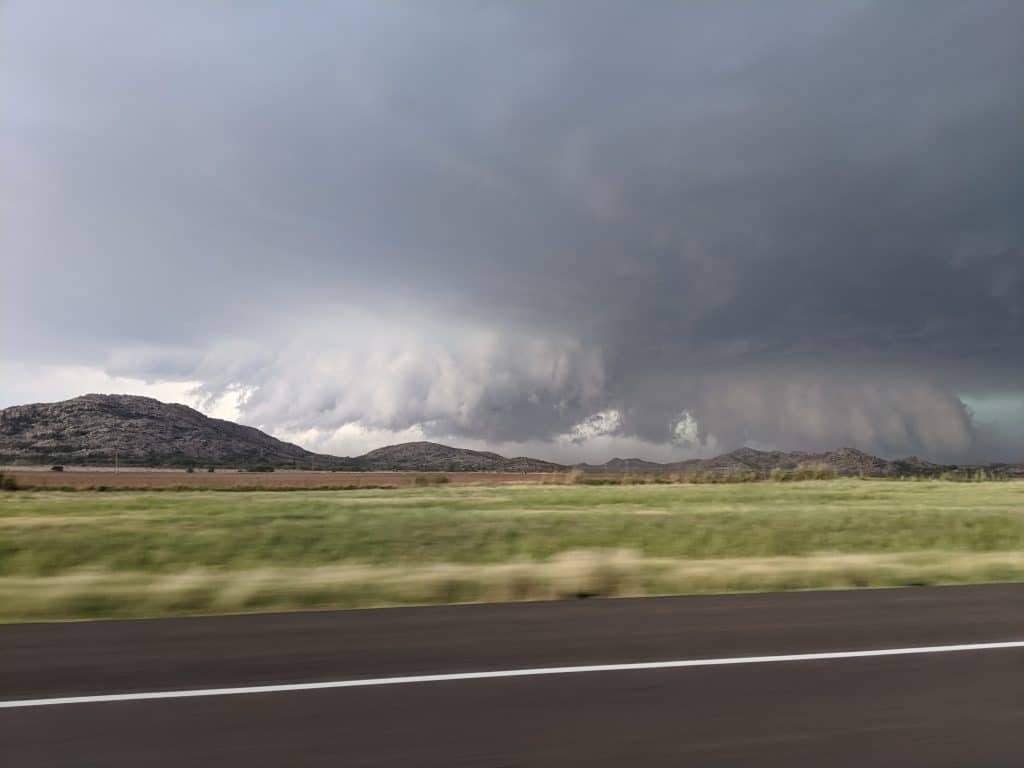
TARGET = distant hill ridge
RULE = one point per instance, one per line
(142, 431)
(847, 462)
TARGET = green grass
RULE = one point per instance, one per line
(85, 554)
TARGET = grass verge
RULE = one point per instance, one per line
(99, 555)
(94, 594)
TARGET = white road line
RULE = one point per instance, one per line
(534, 672)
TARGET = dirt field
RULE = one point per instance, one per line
(93, 478)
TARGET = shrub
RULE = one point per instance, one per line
(715, 478)
(424, 480)
(8, 483)
(966, 476)
(189, 470)
(260, 468)
(802, 473)
(211, 469)
(824, 472)
(57, 468)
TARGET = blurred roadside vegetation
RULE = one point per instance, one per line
(92, 555)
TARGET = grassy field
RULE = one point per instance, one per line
(130, 553)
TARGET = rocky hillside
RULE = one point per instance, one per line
(141, 431)
(846, 462)
(627, 466)
(424, 456)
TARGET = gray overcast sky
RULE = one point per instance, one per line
(572, 229)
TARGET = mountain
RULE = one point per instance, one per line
(141, 431)
(845, 462)
(626, 466)
(423, 456)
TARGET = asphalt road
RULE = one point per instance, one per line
(945, 709)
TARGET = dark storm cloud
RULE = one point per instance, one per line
(798, 222)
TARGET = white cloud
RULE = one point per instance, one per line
(350, 439)
(34, 383)
(686, 430)
(605, 422)
(350, 369)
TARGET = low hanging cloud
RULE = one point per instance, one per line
(325, 387)
(669, 229)
(490, 384)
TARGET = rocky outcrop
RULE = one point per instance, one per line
(844, 462)
(141, 431)
(424, 456)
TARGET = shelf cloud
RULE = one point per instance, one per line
(569, 227)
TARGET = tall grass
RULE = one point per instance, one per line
(89, 553)
(91, 594)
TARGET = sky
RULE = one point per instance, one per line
(572, 230)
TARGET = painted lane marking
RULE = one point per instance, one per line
(528, 672)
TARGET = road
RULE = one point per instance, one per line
(956, 709)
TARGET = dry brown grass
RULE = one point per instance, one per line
(83, 478)
(100, 593)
